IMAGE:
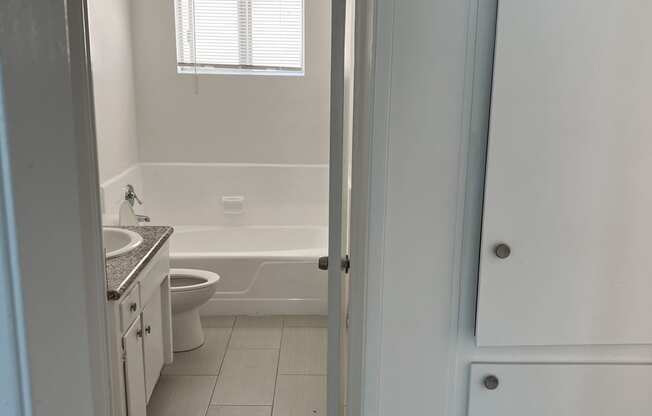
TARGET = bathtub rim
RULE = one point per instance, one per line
(288, 254)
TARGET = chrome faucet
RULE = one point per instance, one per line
(132, 198)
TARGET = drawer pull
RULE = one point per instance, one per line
(148, 329)
(133, 307)
(491, 382)
(502, 251)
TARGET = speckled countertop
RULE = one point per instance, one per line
(121, 271)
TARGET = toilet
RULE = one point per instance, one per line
(190, 289)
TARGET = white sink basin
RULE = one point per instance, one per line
(118, 241)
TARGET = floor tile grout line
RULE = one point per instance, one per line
(278, 363)
(219, 370)
(228, 344)
(285, 323)
(229, 348)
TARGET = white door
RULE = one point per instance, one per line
(568, 200)
(134, 370)
(338, 222)
(152, 342)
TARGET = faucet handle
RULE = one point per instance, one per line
(130, 196)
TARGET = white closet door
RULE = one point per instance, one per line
(569, 176)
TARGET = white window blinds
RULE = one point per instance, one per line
(240, 35)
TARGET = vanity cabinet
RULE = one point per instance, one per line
(134, 369)
(152, 323)
(143, 355)
(141, 336)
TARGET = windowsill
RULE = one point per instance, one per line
(235, 71)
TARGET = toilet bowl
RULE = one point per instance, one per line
(189, 289)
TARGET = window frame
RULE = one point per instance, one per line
(244, 41)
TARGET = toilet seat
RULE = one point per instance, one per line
(183, 280)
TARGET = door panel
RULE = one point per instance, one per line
(560, 390)
(153, 342)
(568, 176)
(134, 370)
(338, 211)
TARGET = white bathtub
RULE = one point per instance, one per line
(263, 270)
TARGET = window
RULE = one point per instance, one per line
(240, 36)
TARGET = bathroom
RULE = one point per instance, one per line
(213, 132)
(500, 203)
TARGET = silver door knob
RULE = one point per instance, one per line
(322, 263)
(502, 250)
(491, 382)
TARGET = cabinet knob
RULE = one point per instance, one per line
(502, 250)
(133, 307)
(491, 382)
(139, 333)
(148, 329)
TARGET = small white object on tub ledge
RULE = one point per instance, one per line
(233, 204)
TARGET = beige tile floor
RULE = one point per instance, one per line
(248, 366)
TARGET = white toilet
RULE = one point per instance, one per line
(189, 289)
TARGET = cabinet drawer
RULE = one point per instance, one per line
(560, 389)
(130, 308)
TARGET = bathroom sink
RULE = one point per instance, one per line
(118, 241)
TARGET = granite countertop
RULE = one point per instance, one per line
(121, 271)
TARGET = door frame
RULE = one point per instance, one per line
(366, 234)
(51, 210)
(14, 369)
(365, 238)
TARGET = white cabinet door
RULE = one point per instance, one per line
(153, 342)
(560, 390)
(134, 370)
(569, 176)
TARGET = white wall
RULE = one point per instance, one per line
(113, 79)
(192, 194)
(232, 118)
